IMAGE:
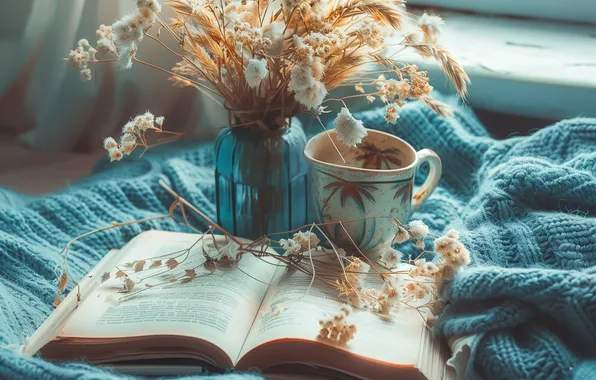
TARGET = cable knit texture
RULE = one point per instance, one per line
(524, 206)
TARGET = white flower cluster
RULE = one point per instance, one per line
(389, 299)
(81, 57)
(255, 72)
(120, 38)
(392, 90)
(390, 257)
(105, 40)
(349, 130)
(247, 36)
(431, 27)
(337, 329)
(422, 268)
(128, 31)
(133, 130)
(391, 114)
(240, 11)
(453, 251)
(417, 289)
(300, 242)
(307, 73)
(372, 34)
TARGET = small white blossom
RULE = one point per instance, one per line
(255, 72)
(424, 269)
(454, 234)
(86, 74)
(418, 230)
(453, 252)
(305, 239)
(159, 121)
(115, 154)
(390, 257)
(128, 143)
(110, 143)
(313, 96)
(391, 114)
(301, 78)
(349, 130)
(146, 121)
(129, 127)
(417, 289)
(290, 246)
(150, 4)
(401, 236)
(431, 26)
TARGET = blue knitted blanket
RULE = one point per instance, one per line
(524, 206)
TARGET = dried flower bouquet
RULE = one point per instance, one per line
(415, 283)
(272, 60)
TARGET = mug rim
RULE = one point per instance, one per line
(310, 158)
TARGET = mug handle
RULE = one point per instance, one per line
(436, 168)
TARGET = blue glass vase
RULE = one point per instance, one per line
(261, 180)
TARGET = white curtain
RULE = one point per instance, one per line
(41, 93)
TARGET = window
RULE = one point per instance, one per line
(540, 65)
(567, 10)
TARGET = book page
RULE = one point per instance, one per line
(218, 307)
(289, 313)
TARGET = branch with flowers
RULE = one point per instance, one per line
(415, 283)
(272, 60)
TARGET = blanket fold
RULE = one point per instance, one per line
(524, 207)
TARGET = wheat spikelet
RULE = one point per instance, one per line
(439, 107)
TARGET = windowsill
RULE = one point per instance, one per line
(523, 67)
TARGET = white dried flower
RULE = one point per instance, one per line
(336, 328)
(84, 43)
(424, 269)
(290, 246)
(130, 127)
(453, 251)
(128, 143)
(391, 257)
(391, 114)
(401, 236)
(159, 121)
(349, 130)
(417, 289)
(109, 143)
(255, 72)
(431, 26)
(86, 74)
(313, 96)
(150, 4)
(392, 90)
(301, 78)
(454, 234)
(115, 154)
(305, 239)
(418, 230)
(390, 296)
(371, 33)
(145, 121)
(128, 31)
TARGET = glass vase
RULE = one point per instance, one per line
(261, 180)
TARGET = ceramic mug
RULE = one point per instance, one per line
(376, 180)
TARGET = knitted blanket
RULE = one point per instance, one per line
(524, 207)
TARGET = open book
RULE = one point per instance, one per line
(258, 317)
